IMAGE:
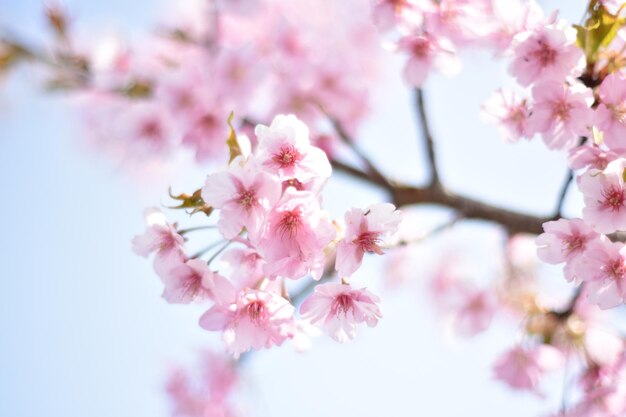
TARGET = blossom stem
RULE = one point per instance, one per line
(427, 136)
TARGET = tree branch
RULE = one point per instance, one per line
(427, 137)
(371, 169)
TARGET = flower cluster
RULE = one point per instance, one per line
(269, 203)
(274, 56)
(431, 33)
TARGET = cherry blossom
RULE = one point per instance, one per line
(611, 113)
(338, 308)
(249, 319)
(296, 234)
(163, 239)
(548, 53)
(365, 231)
(604, 271)
(523, 368)
(244, 195)
(604, 195)
(565, 241)
(510, 112)
(285, 149)
(561, 113)
(189, 281)
(425, 54)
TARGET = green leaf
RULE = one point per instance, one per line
(233, 144)
(599, 30)
(136, 89)
(193, 202)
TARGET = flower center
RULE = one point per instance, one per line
(562, 110)
(615, 269)
(613, 199)
(287, 156)
(343, 303)
(545, 54)
(191, 284)
(290, 222)
(574, 243)
(247, 198)
(368, 242)
(257, 311)
(420, 47)
(151, 129)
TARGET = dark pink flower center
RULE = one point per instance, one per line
(287, 156)
(290, 221)
(574, 243)
(208, 121)
(368, 242)
(613, 198)
(151, 129)
(343, 303)
(246, 198)
(562, 109)
(191, 284)
(167, 241)
(420, 47)
(257, 311)
(545, 54)
(615, 269)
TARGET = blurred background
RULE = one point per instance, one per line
(84, 331)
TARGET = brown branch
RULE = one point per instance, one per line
(565, 187)
(466, 207)
(345, 137)
(514, 222)
(427, 137)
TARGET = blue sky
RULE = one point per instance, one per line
(85, 332)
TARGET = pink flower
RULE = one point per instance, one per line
(603, 268)
(546, 53)
(364, 233)
(605, 198)
(189, 281)
(425, 53)
(206, 390)
(388, 13)
(522, 368)
(244, 195)
(284, 149)
(338, 308)
(246, 264)
(510, 112)
(561, 114)
(510, 17)
(565, 241)
(162, 238)
(475, 313)
(249, 319)
(590, 156)
(207, 133)
(611, 113)
(296, 235)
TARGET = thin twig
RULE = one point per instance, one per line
(558, 213)
(206, 249)
(220, 250)
(427, 137)
(345, 137)
(565, 187)
(432, 232)
(193, 229)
